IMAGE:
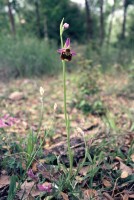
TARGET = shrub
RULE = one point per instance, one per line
(28, 56)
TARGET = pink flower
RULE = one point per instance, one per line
(7, 121)
(66, 52)
(45, 187)
(32, 175)
(2, 124)
(65, 25)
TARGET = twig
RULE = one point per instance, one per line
(114, 186)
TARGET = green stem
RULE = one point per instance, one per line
(41, 117)
(67, 121)
(69, 148)
(64, 85)
(65, 113)
(61, 39)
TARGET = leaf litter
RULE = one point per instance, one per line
(27, 96)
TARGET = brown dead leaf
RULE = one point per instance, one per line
(132, 157)
(118, 158)
(34, 167)
(16, 96)
(106, 183)
(84, 170)
(124, 174)
(79, 179)
(29, 190)
(126, 171)
(30, 197)
(27, 186)
(4, 181)
(126, 197)
(131, 196)
(108, 197)
(65, 196)
(90, 193)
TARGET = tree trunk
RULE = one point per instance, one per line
(39, 32)
(110, 25)
(101, 23)
(11, 18)
(45, 29)
(124, 20)
(88, 20)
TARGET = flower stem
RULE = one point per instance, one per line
(67, 122)
(64, 85)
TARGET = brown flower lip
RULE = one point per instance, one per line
(66, 52)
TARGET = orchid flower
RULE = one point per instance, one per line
(66, 52)
(46, 187)
(32, 175)
(7, 121)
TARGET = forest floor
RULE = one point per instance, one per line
(111, 133)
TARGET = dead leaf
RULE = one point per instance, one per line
(34, 167)
(79, 179)
(106, 183)
(16, 96)
(4, 181)
(118, 158)
(90, 193)
(124, 174)
(108, 197)
(27, 186)
(28, 190)
(132, 157)
(65, 196)
(126, 197)
(131, 196)
(84, 170)
(126, 171)
(30, 197)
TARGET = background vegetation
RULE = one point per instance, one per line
(29, 34)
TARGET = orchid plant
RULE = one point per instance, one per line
(66, 54)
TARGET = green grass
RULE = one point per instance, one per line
(99, 159)
(28, 56)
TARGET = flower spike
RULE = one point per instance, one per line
(66, 52)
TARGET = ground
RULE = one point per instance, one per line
(21, 98)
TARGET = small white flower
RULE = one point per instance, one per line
(79, 130)
(41, 91)
(55, 106)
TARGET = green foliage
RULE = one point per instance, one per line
(129, 37)
(28, 56)
(88, 87)
(55, 10)
(3, 19)
(109, 58)
(110, 121)
(12, 188)
(13, 165)
(128, 89)
(47, 17)
(96, 107)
